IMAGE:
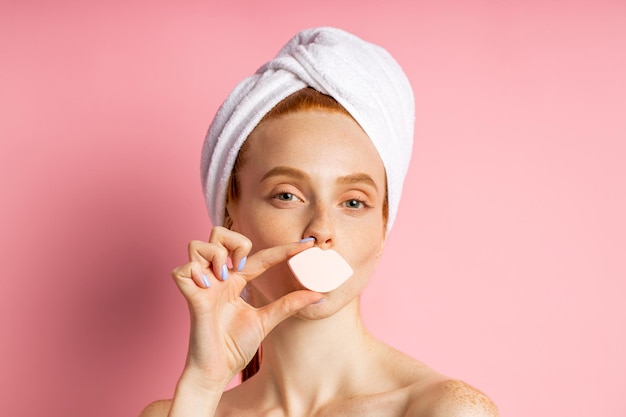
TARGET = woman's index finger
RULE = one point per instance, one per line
(264, 259)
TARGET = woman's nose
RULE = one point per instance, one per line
(321, 227)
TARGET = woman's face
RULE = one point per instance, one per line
(311, 173)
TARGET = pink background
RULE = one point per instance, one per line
(505, 267)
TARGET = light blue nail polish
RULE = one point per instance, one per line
(206, 282)
(320, 301)
(307, 239)
(242, 263)
(224, 272)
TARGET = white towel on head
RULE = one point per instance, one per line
(361, 76)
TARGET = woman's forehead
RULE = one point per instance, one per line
(313, 140)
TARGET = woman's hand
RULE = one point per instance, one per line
(225, 330)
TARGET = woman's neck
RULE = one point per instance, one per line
(306, 362)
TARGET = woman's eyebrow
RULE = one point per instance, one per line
(357, 178)
(284, 171)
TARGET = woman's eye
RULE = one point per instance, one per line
(286, 197)
(354, 204)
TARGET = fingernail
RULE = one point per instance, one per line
(205, 281)
(307, 239)
(224, 272)
(242, 263)
(320, 301)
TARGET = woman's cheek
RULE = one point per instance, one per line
(366, 246)
(269, 226)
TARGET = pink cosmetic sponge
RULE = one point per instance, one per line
(320, 270)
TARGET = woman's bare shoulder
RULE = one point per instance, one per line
(430, 393)
(451, 398)
(159, 408)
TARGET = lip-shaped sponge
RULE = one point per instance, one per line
(320, 270)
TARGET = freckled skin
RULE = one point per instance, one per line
(454, 398)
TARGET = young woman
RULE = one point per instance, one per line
(311, 151)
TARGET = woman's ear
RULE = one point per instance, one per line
(229, 219)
